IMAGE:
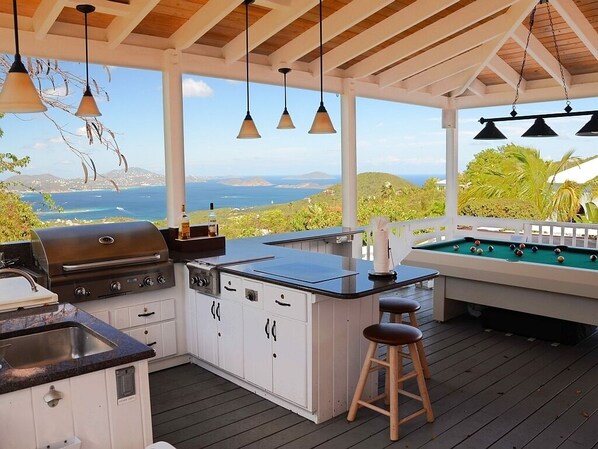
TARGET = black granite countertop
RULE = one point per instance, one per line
(21, 322)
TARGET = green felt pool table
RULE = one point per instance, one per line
(492, 273)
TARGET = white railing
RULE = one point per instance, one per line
(406, 234)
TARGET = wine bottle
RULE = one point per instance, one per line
(184, 225)
(212, 222)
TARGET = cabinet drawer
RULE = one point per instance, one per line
(285, 302)
(253, 293)
(231, 287)
(161, 337)
(145, 313)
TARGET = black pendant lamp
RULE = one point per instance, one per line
(88, 106)
(490, 132)
(18, 92)
(322, 123)
(248, 129)
(590, 129)
(539, 129)
(285, 119)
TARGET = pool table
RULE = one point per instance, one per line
(533, 282)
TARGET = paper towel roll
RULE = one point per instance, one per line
(380, 234)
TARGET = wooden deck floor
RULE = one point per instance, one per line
(488, 389)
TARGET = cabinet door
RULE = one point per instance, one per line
(52, 424)
(289, 359)
(257, 357)
(229, 316)
(17, 428)
(207, 332)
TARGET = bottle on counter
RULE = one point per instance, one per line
(212, 222)
(184, 225)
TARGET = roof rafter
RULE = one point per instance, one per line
(122, 26)
(449, 84)
(506, 72)
(333, 25)
(578, 23)
(45, 15)
(441, 29)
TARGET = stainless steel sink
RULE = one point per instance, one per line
(51, 346)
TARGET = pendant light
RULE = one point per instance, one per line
(490, 132)
(322, 123)
(18, 92)
(539, 129)
(285, 119)
(88, 106)
(590, 129)
(248, 129)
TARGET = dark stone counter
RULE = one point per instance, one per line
(21, 322)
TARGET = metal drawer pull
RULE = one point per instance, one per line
(218, 311)
(280, 303)
(230, 289)
(274, 329)
(266, 328)
(212, 309)
(152, 343)
(146, 314)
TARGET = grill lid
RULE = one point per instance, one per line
(59, 251)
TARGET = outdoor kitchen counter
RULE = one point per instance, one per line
(21, 322)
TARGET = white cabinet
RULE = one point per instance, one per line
(220, 332)
(275, 354)
(89, 410)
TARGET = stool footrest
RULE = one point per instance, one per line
(409, 375)
(413, 415)
(374, 407)
(411, 395)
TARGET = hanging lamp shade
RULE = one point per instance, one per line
(539, 129)
(490, 132)
(18, 92)
(590, 129)
(248, 129)
(285, 122)
(322, 123)
(88, 106)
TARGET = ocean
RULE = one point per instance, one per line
(149, 203)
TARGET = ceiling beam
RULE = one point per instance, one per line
(265, 28)
(445, 69)
(449, 84)
(104, 7)
(541, 55)
(332, 26)
(201, 22)
(512, 20)
(441, 29)
(477, 88)
(122, 26)
(45, 15)
(506, 72)
(389, 27)
(442, 52)
(578, 23)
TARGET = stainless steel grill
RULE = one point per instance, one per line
(104, 260)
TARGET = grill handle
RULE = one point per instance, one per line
(112, 263)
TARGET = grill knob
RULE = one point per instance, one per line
(195, 280)
(161, 279)
(80, 291)
(148, 281)
(202, 282)
(115, 286)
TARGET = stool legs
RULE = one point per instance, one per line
(398, 318)
(394, 393)
(361, 382)
(421, 383)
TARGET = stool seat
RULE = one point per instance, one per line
(399, 305)
(392, 334)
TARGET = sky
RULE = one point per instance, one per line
(391, 137)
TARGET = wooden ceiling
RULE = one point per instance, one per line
(444, 53)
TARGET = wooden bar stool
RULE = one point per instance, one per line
(396, 307)
(395, 336)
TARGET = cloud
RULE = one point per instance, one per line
(196, 88)
(39, 145)
(56, 91)
(81, 131)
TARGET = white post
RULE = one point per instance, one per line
(449, 123)
(172, 86)
(349, 159)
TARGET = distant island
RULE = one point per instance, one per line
(312, 175)
(242, 182)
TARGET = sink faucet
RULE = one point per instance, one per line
(20, 273)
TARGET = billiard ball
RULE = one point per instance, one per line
(472, 249)
(593, 257)
(512, 246)
(557, 251)
(455, 247)
(522, 246)
(561, 259)
(479, 251)
(534, 249)
(477, 243)
(491, 248)
(519, 253)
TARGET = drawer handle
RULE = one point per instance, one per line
(146, 314)
(280, 303)
(218, 311)
(266, 328)
(230, 289)
(152, 343)
(274, 330)
(212, 309)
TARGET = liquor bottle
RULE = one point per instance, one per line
(184, 226)
(212, 222)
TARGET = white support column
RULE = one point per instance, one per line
(349, 159)
(172, 86)
(449, 123)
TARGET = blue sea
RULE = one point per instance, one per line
(149, 203)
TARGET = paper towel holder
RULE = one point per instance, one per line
(382, 274)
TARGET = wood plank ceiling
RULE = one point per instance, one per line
(444, 53)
